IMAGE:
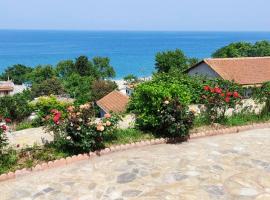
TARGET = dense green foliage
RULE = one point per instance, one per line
(244, 49)
(52, 86)
(149, 97)
(173, 61)
(17, 73)
(262, 95)
(15, 107)
(68, 77)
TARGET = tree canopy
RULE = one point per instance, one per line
(243, 49)
(17, 73)
(173, 61)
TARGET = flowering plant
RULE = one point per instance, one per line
(79, 131)
(3, 131)
(175, 119)
(217, 101)
(262, 95)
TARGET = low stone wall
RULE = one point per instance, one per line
(91, 155)
(247, 104)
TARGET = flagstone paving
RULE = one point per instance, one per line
(233, 166)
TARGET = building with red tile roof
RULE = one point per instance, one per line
(115, 102)
(248, 71)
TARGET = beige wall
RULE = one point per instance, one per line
(204, 70)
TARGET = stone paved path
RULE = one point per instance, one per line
(222, 167)
(29, 137)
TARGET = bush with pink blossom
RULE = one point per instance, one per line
(79, 131)
(3, 133)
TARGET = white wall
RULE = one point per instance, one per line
(203, 69)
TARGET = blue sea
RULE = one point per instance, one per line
(130, 52)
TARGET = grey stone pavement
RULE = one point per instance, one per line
(233, 166)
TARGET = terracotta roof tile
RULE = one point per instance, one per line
(113, 102)
(245, 71)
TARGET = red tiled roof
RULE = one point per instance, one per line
(245, 71)
(113, 102)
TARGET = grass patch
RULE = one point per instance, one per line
(243, 119)
(123, 136)
(13, 160)
(235, 120)
(24, 125)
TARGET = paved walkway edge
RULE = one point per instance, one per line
(122, 147)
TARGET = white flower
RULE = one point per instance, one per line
(166, 102)
(79, 128)
(68, 138)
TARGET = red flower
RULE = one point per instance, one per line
(56, 118)
(222, 94)
(236, 95)
(212, 90)
(4, 127)
(227, 99)
(206, 88)
(54, 111)
(218, 90)
(7, 120)
(229, 94)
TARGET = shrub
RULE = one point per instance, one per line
(78, 132)
(3, 136)
(175, 119)
(217, 101)
(262, 94)
(43, 105)
(51, 86)
(148, 100)
(15, 107)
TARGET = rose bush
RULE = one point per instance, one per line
(217, 101)
(43, 105)
(78, 131)
(175, 119)
(3, 131)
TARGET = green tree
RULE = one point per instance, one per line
(243, 49)
(83, 66)
(103, 68)
(41, 73)
(260, 49)
(48, 87)
(64, 68)
(79, 87)
(101, 88)
(171, 60)
(17, 73)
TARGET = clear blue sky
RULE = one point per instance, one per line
(228, 15)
